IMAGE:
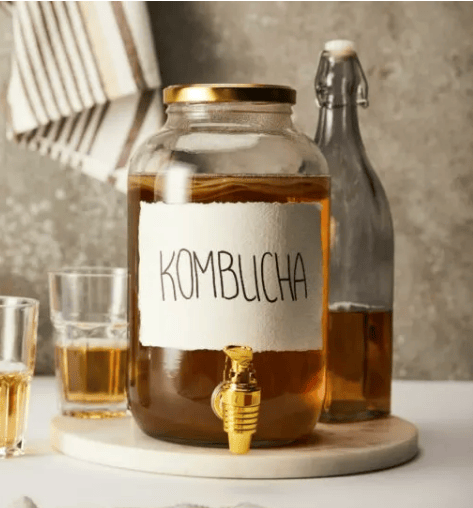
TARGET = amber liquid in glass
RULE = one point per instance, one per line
(359, 363)
(92, 374)
(14, 396)
(169, 389)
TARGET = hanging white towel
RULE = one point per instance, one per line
(85, 84)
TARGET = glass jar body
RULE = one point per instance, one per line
(241, 155)
(359, 350)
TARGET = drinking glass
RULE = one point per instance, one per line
(18, 331)
(89, 314)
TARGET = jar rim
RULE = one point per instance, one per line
(244, 92)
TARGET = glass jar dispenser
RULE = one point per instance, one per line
(228, 259)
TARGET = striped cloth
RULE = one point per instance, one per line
(84, 83)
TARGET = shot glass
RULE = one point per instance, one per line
(18, 331)
(89, 314)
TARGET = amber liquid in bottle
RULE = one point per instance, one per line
(358, 365)
(169, 389)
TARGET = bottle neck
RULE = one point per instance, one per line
(339, 125)
(340, 86)
(232, 115)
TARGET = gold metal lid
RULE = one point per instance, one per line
(229, 93)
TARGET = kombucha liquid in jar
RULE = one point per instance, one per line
(228, 244)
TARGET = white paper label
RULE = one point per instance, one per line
(211, 275)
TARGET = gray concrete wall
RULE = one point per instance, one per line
(418, 132)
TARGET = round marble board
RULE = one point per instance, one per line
(334, 449)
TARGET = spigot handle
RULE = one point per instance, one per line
(240, 356)
(237, 398)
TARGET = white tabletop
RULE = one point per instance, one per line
(441, 476)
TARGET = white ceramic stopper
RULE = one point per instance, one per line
(340, 47)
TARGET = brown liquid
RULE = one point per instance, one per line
(359, 362)
(170, 390)
(14, 395)
(92, 375)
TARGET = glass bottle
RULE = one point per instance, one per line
(224, 204)
(359, 349)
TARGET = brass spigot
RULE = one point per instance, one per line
(236, 400)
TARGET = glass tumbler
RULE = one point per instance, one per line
(89, 314)
(18, 331)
